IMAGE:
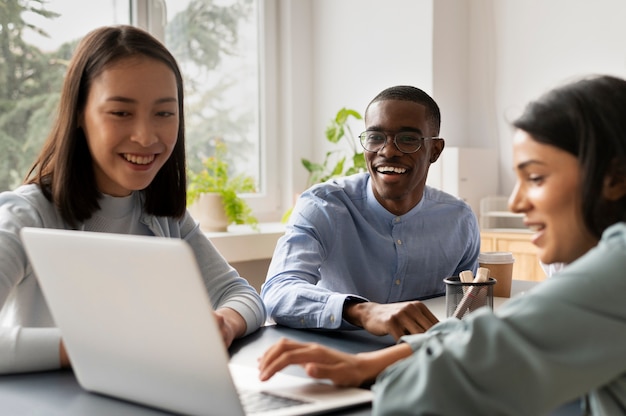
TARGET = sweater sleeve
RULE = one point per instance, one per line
(29, 349)
(29, 340)
(225, 286)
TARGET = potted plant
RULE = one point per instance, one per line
(212, 195)
(338, 162)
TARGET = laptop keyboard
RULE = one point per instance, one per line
(259, 401)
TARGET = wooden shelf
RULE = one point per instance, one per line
(518, 242)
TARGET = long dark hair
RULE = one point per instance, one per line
(586, 118)
(64, 167)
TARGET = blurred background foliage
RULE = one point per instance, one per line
(200, 37)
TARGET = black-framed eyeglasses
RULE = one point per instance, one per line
(406, 142)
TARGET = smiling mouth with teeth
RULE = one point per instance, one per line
(138, 160)
(390, 169)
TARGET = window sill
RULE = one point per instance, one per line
(243, 243)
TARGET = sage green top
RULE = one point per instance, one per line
(564, 339)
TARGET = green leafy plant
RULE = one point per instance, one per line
(214, 177)
(339, 162)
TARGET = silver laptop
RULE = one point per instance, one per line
(137, 323)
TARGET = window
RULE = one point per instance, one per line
(219, 44)
(40, 41)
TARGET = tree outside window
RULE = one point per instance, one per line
(214, 41)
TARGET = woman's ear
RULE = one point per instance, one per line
(614, 187)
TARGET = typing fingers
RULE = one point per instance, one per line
(341, 373)
(228, 322)
(286, 352)
(318, 362)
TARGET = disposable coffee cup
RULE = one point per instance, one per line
(500, 265)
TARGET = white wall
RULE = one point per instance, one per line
(450, 63)
(361, 48)
(540, 44)
(482, 60)
(341, 53)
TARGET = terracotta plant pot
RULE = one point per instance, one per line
(209, 211)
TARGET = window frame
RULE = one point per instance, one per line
(266, 204)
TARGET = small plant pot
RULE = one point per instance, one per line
(210, 213)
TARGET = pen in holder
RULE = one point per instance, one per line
(465, 297)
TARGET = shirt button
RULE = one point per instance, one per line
(332, 318)
(399, 242)
(397, 282)
(397, 219)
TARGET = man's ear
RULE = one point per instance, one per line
(436, 149)
(614, 186)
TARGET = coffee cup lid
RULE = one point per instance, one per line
(496, 257)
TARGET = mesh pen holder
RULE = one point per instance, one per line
(463, 298)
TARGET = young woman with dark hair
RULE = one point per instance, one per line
(113, 162)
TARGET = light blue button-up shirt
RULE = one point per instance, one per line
(340, 242)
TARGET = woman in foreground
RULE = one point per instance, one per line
(562, 340)
(114, 162)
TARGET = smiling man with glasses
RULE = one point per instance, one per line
(361, 251)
